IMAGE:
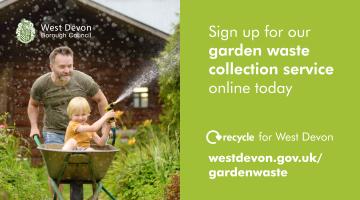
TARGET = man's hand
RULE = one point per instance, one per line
(35, 131)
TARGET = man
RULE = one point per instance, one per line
(54, 90)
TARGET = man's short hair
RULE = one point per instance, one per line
(64, 50)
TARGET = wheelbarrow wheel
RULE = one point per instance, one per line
(76, 191)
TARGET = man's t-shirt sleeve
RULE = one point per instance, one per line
(35, 91)
(91, 87)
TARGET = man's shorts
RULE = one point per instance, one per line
(51, 138)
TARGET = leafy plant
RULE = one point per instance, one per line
(148, 167)
(142, 171)
(18, 180)
(169, 81)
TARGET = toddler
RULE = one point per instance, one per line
(78, 133)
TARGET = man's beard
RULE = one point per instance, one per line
(64, 79)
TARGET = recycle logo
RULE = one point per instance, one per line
(25, 31)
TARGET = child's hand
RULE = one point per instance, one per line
(110, 114)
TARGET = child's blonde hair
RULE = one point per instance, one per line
(78, 105)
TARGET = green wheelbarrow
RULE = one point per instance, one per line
(76, 168)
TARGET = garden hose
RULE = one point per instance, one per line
(112, 121)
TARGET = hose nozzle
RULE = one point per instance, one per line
(110, 106)
(112, 120)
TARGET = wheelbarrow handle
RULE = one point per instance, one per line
(37, 140)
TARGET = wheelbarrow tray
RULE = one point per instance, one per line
(70, 166)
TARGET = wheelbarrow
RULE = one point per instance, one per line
(76, 168)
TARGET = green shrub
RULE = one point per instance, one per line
(169, 82)
(18, 180)
(142, 171)
(149, 168)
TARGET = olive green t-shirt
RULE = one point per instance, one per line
(56, 98)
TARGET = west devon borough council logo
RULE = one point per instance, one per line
(25, 31)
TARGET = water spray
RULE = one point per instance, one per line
(151, 72)
(148, 74)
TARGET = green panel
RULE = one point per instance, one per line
(318, 104)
